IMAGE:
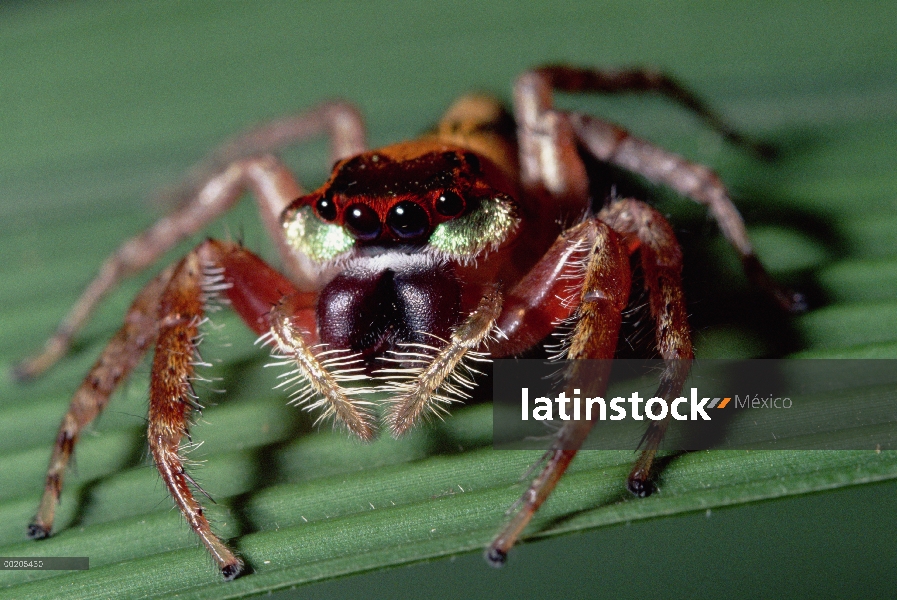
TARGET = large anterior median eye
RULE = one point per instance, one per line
(408, 220)
(363, 222)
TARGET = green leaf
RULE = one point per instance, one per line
(102, 104)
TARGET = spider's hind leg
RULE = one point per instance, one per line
(610, 143)
(572, 79)
(644, 229)
(549, 138)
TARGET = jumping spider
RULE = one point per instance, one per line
(408, 260)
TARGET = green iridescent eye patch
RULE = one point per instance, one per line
(487, 226)
(314, 238)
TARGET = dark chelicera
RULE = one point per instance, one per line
(372, 312)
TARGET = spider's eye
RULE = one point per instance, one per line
(449, 204)
(408, 220)
(363, 222)
(325, 208)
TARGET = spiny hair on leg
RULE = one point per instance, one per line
(197, 362)
(575, 270)
(212, 284)
(563, 333)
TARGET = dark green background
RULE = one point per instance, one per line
(101, 103)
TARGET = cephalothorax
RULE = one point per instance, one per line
(475, 240)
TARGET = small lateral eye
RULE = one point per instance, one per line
(363, 222)
(408, 220)
(449, 204)
(325, 208)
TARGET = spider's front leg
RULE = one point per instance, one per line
(275, 187)
(592, 260)
(601, 274)
(551, 167)
(252, 288)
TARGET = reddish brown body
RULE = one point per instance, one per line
(475, 240)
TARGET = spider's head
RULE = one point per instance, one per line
(411, 197)
(383, 237)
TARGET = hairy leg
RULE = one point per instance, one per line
(645, 229)
(118, 359)
(603, 296)
(547, 295)
(252, 287)
(172, 399)
(169, 311)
